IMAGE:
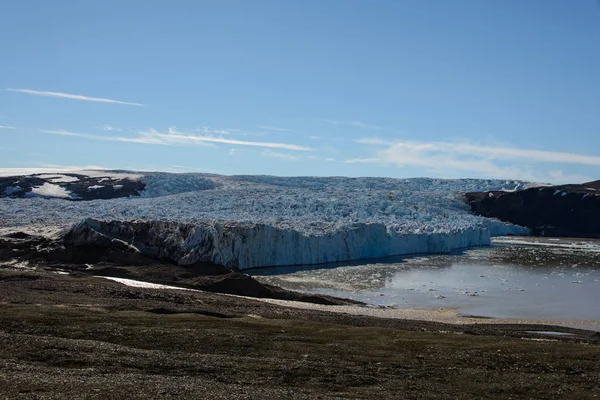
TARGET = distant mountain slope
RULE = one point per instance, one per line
(566, 210)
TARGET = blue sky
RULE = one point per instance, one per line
(463, 88)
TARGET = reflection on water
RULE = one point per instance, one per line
(503, 281)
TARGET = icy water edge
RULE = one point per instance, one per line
(522, 278)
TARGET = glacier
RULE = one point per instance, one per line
(254, 221)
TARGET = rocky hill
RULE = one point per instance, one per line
(71, 186)
(566, 210)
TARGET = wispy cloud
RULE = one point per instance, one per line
(354, 124)
(175, 137)
(283, 156)
(274, 128)
(207, 130)
(558, 176)
(110, 128)
(491, 152)
(141, 139)
(491, 161)
(7, 127)
(73, 96)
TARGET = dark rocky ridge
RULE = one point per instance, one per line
(81, 188)
(565, 210)
(116, 259)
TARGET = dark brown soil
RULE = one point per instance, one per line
(84, 337)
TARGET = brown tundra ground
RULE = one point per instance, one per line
(81, 337)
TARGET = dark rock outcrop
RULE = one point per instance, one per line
(76, 186)
(566, 210)
(113, 258)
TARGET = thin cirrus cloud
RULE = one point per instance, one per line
(141, 139)
(7, 127)
(74, 97)
(173, 137)
(274, 128)
(450, 157)
(282, 156)
(354, 124)
(110, 128)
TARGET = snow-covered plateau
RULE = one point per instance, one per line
(254, 221)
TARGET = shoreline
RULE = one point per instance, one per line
(445, 316)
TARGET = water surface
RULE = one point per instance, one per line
(552, 279)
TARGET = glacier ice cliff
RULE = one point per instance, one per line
(245, 245)
(253, 221)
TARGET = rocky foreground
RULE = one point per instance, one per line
(84, 337)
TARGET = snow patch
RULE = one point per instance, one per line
(142, 284)
(49, 190)
(59, 178)
(94, 187)
(586, 246)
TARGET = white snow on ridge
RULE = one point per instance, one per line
(65, 179)
(58, 178)
(142, 284)
(49, 190)
(580, 245)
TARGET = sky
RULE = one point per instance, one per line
(450, 89)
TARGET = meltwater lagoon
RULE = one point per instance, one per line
(515, 278)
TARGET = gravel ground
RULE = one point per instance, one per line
(82, 337)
